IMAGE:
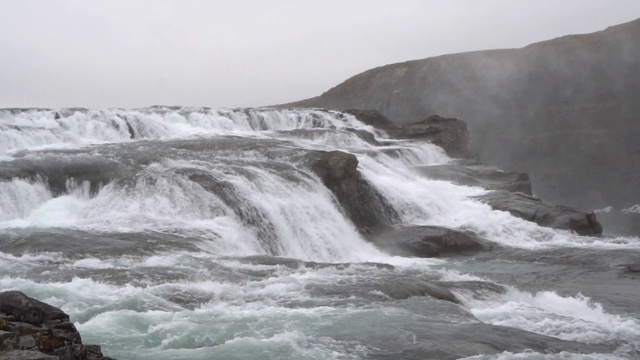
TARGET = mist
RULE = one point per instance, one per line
(251, 53)
(564, 111)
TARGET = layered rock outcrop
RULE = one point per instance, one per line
(366, 208)
(369, 211)
(31, 329)
(448, 133)
(565, 110)
(533, 209)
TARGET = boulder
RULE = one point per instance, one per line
(362, 203)
(533, 209)
(33, 330)
(488, 177)
(19, 307)
(428, 241)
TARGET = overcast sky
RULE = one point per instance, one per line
(135, 53)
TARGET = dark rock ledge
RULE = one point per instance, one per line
(33, 330)
(533, 209)
(448, 133)
(429, 241)
(367, 209)
(511, 191)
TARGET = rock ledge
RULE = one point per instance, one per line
(33, 330)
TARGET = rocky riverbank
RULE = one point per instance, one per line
(33, 330)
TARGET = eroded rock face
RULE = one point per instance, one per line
(533, 209)
(449, 133)
(366, 208)
(429, 241)
(31, 329)
(373, 118)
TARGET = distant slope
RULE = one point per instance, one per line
(565, 110)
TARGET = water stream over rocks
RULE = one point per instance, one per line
(196, 233)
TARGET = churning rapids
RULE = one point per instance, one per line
(192, 233)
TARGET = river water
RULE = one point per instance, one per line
(196, 233)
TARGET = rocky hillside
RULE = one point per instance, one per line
(566, 111)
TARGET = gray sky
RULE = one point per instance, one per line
(134, 53)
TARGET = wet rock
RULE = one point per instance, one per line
(27, 342)
(22, 308)
(366, 208)
(60, 170)
(74, 242)
(250, 215)
(428, 241)
(35, 330)
(132, 133)
(6, 335)
(449, 133)
(392, 287)
(26, 355)
(533, 209)
(479, 289)
(405, 287)
(295, 263)
(373, 118)
(488, 177)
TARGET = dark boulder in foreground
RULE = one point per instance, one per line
(366, 208)
(31, 329)
(449, 133)
(488, 177)
(533, 209)
(428, 241)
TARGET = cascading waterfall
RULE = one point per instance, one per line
(202, 233)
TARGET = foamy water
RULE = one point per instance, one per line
(172, 280)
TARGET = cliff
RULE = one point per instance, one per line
(565, 110)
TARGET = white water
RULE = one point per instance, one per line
(40, 129)
(298, 219)
(303, 217)
(575, 318)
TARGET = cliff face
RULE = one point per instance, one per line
(566, 110)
